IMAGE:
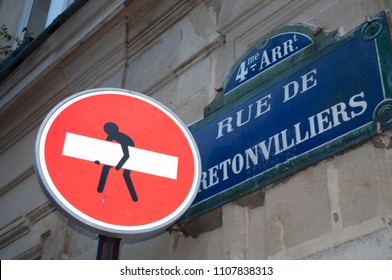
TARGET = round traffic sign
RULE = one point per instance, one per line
(117, 162)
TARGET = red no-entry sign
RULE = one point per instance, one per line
(117, 162)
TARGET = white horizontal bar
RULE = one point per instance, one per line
(109, 153)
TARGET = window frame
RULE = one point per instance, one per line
(19, 55)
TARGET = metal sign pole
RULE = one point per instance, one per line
(108, 248)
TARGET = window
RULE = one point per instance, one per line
(36, 16)
(39, 14)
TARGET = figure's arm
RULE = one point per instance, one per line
(124, 158)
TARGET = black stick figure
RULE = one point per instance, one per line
(124, 140)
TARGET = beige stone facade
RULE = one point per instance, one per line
(178, 52)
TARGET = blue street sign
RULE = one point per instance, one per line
(268, 53)
(332, 100)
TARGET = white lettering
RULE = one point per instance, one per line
(252, 155)
(264, 60)
(276, 53)
(308, 81)
(339, 110)
(261, 104)
(226, 123)
(264, 149)
(223, 165)
(242, 72)
(285, 145)
(298, 138)
(355, 104)
(253, 58)
(323, 122)
(240, 122)
(294, 85)
(312, 127)
(288, 47)
(203, 180)
(237, 164)
(286, 139)
(276, 142)
(213, 175)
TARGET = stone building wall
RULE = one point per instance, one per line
(178, 52)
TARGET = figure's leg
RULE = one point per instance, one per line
(104, 176)
(128, 181)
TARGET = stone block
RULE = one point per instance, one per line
(347, 13)
(375, 246)
(193, 80)
(253, 200)
(164, 59)
(211, 247)
(44, 232)
(235, 222)
(257, 234)
(99, 54)
(204, 223)
(17, 158)
(79, 243)
(383, 145)
(53, 244)
(166, 94)
(20, 200)
(197, 30)
(192, 108)
(298, 209)
(184, 248)
(155, 63)
(159, 247)
(232, 11)
(359, 185)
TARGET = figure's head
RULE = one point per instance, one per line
(110, 128)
